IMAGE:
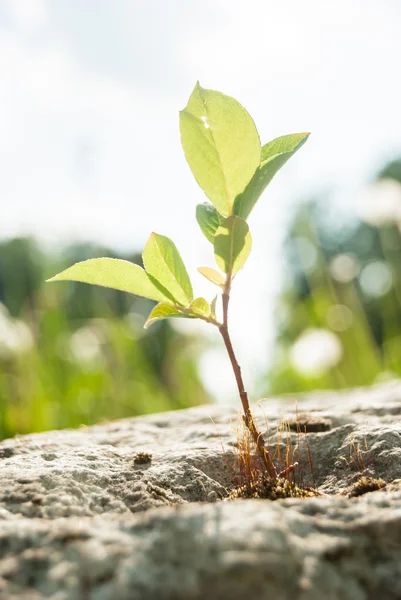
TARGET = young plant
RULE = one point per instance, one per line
(222, 147)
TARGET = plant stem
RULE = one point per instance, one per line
(247, 416)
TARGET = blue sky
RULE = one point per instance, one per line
(89, 142)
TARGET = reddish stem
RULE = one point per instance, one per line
(247, 416)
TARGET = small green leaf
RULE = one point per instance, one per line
(232, 245)
(221, 145)
(213, 308)
(163, 263)
(212, 275)
(115, 273)
(284, 144)
(208, 220)
(200, 308)
(274, 155)
(164, 311)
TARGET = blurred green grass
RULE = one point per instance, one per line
(339, 314)
(74, 354)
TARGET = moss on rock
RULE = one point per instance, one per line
(271, 489)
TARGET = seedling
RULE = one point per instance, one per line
(222, 147)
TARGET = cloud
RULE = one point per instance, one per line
(27, 14)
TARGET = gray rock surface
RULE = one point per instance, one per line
(83, 515)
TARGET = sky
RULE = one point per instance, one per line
(89, 137)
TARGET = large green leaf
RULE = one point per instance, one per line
(164, 311)
(274, 155)
(221, 145)
(208, 220)
(232, 244)
(163, 262)
(115, 273)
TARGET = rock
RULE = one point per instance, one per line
(135, 509)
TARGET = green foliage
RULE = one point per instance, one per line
(163, 311)
(117, 274)
(23, 257)
(212, 275)
(331, 289)
(80, 357)
(164, 264)
(208, 220)
(221, 145)
(274, 155)
(213, 308)
(200, 308)
(232, 245)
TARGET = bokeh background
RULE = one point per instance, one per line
(91, 163)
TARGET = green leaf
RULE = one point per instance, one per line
(221, 145)
(283, 144)
(115, 273)
(274, 155)
(164, 311)
(163, 263)
(212, 275)
(232, 244)
(208, 220)
(213, 308)
(200, 308)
